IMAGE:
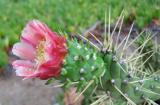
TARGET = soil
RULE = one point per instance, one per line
(15, 91)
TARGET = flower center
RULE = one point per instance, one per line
(40, 52)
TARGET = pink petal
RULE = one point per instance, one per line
(24, 51)
(25, 69)
(44, 30)
(22, 63)
(32, 34)
(48, 72)
(24, 72)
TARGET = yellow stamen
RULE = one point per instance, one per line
(40, 51)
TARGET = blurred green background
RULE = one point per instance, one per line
(71, 16)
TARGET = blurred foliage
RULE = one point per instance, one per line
(71, 16)
(4, 58)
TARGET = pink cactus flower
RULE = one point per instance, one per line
(41, 51)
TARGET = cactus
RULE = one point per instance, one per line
(104, 75)
(87, 69)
